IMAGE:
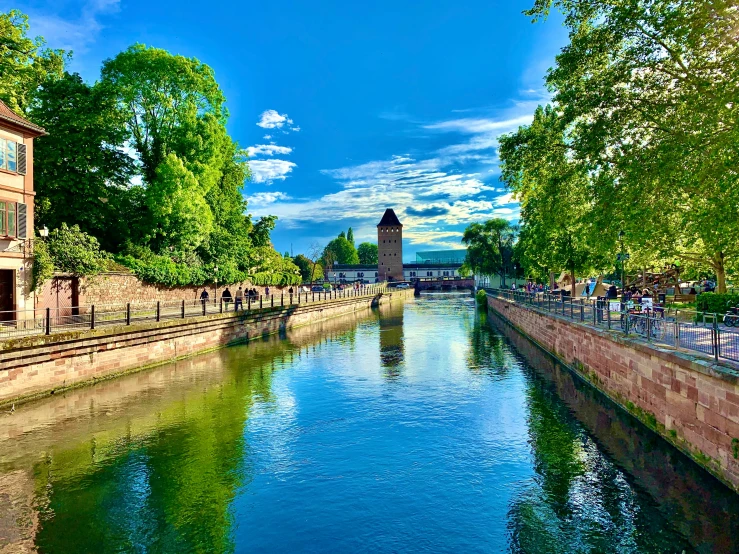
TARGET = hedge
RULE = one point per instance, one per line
(713, 302)
(160, 270)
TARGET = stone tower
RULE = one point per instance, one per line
(390, 247)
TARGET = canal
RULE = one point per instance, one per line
(419, 427)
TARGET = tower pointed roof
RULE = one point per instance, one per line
(389, 219)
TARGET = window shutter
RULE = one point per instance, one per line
(22, 159)
(22, 221)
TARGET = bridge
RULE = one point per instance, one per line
(443, 283)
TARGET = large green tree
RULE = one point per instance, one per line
(25, 62)
(648, 97)
(489, 247)
(367, 253)
(341, 251)
(82, 172)
(555, 194)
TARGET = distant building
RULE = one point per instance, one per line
(438, 264)
(442, 257)
(390, 247)
(16, 211)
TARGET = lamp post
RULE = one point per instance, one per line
(215, 271)
(623, 261)
(44, 232)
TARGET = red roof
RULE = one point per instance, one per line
(8, 115)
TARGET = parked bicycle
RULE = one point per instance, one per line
(731, 318)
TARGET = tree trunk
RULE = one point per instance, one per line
(572, 277)
(718, 265)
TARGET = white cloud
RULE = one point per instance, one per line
(267, 150)
(266, 198)
(75, 33)
(267, 137)
(271, 119)
(266, 171)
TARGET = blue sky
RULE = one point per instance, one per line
(347, 107)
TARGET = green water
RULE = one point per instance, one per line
(416, 428)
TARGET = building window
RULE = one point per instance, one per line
(429, 274)
(8, 155)
(8, 218)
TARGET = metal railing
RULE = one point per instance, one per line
(698, 331)
(47, 321)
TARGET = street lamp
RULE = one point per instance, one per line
(44, 232)
(215, 271)
(623, 261)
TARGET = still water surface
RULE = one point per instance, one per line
(416, 428)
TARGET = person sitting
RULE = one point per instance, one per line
(612, 292)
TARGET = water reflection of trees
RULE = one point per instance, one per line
(153, 461)
(488, 352)
(582, 500)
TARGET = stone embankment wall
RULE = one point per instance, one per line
(119, 288)
(40, 365)
(692, 402)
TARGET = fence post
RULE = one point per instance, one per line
(716, 339)
(649, 327)
(272, 300)
(128, 313)
(608, 316)
(92, 316)
(282, 299)
(572, 310)
(48, 321)
(204, 307)
(159, 313)
(582, 312)
(260, 301)
(182, 309)
(594, 305)
(220, 306)
(677, 331)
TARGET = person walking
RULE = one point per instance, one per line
(226, 297)
(204, 296)
(266, 291)
(239, 302)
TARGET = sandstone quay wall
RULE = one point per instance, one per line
(37, 366)
(691, 402)
(120, 288)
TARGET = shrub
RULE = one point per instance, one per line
(43, 265)
(74, 251)
(713, 302)
(482, 298)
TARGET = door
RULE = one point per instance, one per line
(6, 295)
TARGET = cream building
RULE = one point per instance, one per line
(16, 211)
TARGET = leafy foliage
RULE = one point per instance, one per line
(340, 250)
(716, 303)
(74, 251)
(489, 247)
(367, 253)
(80, 167)
(43, 265)
(641, 137)
(309, 269)
(25, 63)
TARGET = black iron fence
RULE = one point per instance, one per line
(697, 331)
(47, 321)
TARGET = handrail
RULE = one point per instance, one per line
(47, 321)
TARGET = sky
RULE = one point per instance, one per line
(346, 108)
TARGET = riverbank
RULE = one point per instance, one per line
(690, 402)
(38, 366)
